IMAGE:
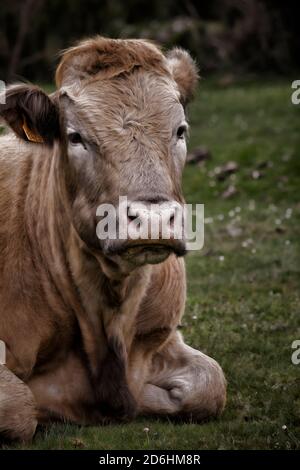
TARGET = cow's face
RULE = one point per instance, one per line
(124, 134)
(126, 137)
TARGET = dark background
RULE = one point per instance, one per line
(240, 36)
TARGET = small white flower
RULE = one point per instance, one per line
(288, 213)
(251, 205)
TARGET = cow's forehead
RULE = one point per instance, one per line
(141, 99)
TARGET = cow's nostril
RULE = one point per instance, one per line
(132, 217)
(171, 221)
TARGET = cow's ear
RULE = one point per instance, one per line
(31, 113)
(184, 71)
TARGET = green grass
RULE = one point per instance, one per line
(243, 304)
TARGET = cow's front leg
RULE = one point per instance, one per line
(17, 408)
(119, 312)
(183, 383)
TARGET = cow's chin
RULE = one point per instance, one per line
(140, 253)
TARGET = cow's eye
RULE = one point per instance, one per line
(75, 138)
(181, 132)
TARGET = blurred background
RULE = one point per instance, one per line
(240, 36)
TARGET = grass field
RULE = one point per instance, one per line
(243, 303)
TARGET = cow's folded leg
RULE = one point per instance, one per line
(17, 408)
(183, 383)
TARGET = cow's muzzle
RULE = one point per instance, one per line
(148, 233)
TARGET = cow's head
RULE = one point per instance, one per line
(117, 121)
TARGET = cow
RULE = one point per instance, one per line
(91, 326)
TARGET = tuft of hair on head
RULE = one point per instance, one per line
(101, 57)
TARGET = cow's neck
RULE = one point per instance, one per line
(48, 227)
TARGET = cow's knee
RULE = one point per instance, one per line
(188, 386)
(17, 408)
(202, 392)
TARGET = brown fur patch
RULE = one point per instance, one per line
(113, 396)
(106, 58)
(153, 339)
